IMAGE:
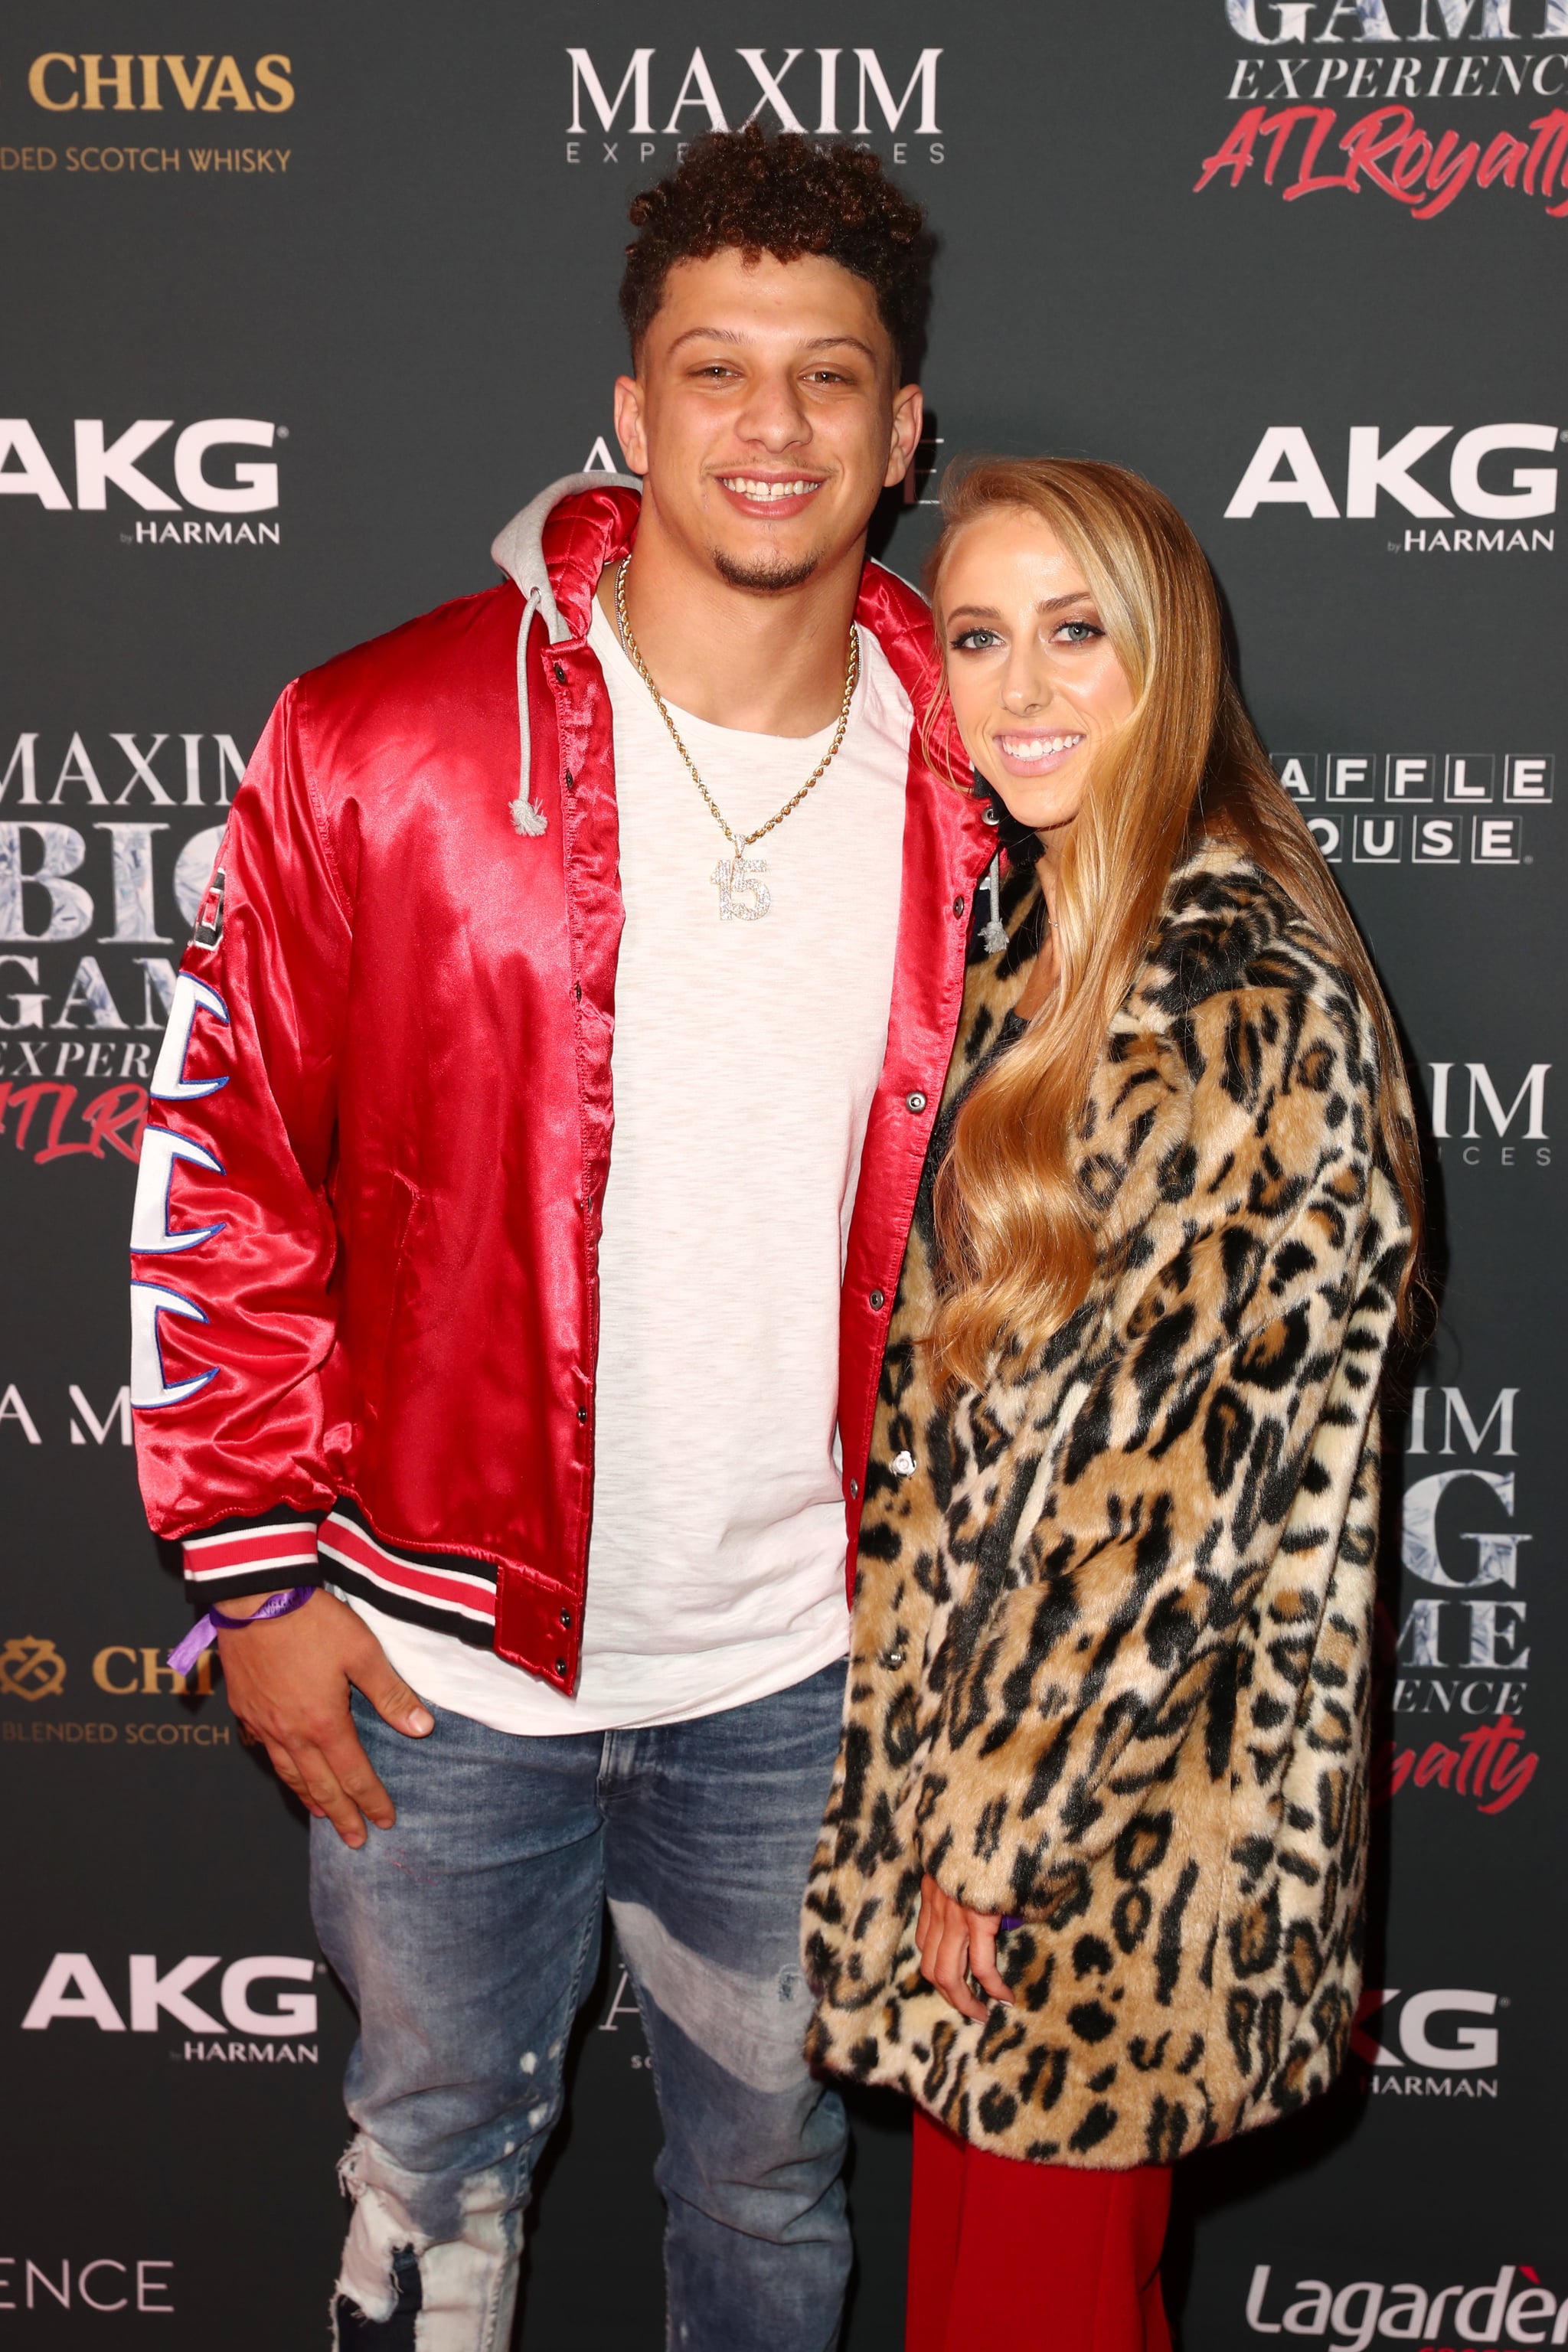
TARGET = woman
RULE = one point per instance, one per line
(1091, 1883)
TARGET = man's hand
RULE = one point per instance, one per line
(289, 1681)
(956, 1944)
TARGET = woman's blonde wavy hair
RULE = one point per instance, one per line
(1016, 1232)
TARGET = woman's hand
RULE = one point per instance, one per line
(956, 1944)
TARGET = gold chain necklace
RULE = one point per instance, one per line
(741, 898)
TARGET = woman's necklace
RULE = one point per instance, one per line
(741, 898)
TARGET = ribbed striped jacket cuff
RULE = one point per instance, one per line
(264, 1554)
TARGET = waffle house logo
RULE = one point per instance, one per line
(1420, 808)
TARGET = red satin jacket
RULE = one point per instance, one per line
(365, 1294)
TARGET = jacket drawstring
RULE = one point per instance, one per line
(994, 937)
(526, 814)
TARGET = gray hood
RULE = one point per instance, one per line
(519, 548)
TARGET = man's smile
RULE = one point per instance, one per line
(774, 494)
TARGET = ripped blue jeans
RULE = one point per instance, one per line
(468, 1934)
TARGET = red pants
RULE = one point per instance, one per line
(1010, 2257)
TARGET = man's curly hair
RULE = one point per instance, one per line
(786, 197)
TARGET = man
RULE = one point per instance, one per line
(522, 1355)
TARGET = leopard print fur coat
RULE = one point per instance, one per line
(1111, 1649)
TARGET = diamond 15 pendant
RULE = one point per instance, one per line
(740, 899)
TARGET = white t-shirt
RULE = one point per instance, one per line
(745, 1058)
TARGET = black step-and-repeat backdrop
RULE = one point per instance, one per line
(299, 303)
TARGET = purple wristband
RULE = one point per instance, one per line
(206, 1629)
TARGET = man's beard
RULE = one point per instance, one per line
(770, 575)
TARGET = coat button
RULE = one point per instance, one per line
(892, 1657)
(561, 1668)
(957, 904)
(879, 1298)
(904, 1465)
(915, 1102)
(571, 782)
(560, 675)
(582, 1413)
(577, 991)
(854, 1488)
(566, 1619)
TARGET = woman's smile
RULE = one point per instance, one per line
(1026, 753)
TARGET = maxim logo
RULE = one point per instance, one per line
(827, 93)
(206, 474)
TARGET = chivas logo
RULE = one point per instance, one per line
(31, 1669)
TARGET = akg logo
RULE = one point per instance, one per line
(838, 81)
(1427, 2031)
(31, 1668)
(249, 485)
(73, 1989)
(1284, 470)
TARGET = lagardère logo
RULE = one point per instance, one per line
(827, 93)
(73, 1991)
(1501, 2311)
(207, 473)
